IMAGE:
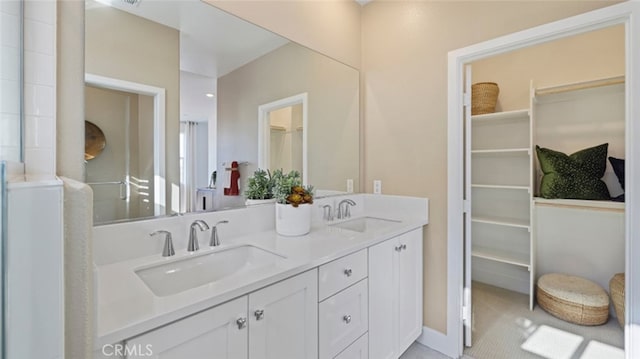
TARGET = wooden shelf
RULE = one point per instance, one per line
(502, 116)
(514, 258)
(501, 151)
(492, 186)
(500, 221)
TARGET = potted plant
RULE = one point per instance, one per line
(293, 203)
(259, 188)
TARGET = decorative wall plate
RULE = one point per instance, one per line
(94, 140)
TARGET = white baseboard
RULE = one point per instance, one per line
(437, 341)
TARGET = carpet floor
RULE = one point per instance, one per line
(505, 328)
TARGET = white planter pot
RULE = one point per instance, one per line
(293, 221)
(254, 202)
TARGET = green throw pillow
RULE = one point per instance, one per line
(577, 176)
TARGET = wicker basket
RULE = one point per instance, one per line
(616, 289)
(484, 96)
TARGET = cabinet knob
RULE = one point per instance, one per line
(241, 322)
(347, 319)
(348, 272)
(398, 248)
(404, 246)
(259, 314)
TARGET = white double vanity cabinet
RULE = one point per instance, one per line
(353, 294)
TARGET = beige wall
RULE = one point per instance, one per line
(330, 27)
(590, 56)
(333, 113)
(404, 64)
(124, 46)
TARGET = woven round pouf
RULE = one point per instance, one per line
(616, 288)
(574, 299)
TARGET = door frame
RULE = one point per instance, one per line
(158, 94)
(264, 132)
(626, 13)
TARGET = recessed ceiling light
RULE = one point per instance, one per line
(210, 95)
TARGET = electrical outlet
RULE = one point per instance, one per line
(349, 185)
(377, 187)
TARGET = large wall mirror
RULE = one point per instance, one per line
(216, 71)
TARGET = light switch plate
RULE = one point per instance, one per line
(377, 187)
(350, 185)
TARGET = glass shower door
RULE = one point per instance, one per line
(3, 241)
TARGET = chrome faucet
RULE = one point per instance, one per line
(327, 212)
(167, 250)
(215, 239)
(346, 212)
(193, 234)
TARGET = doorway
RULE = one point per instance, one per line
(282, 135)
(458, 208)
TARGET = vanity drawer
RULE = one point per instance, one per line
(358, 350)
(343, 319)
(341, 273)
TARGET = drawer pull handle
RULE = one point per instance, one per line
(398, 248)
(347, 319)
(259, 314)
(348, 272)
(241, 322)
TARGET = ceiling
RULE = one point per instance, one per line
(212, 42)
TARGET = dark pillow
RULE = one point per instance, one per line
(618, 168)
(577, 176)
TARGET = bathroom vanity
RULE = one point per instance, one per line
(351, 288)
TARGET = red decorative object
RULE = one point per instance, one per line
(233, 190)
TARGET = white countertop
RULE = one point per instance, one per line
(126, 307)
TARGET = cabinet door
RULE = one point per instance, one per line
(409, 289)
(212, 334)
(358, 350)
(283, 319)
(383, 302)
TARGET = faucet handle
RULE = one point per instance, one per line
(327, 213)
(215, 239)
(168, 249)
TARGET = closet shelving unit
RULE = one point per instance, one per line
(501, 188)
(504, 176)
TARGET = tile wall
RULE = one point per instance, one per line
(40, 87)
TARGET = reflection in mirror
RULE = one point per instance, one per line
(11, 81)
(217, 70)
(282, 143)
(125, 175)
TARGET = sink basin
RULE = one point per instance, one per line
(364, 224)
(199, 269)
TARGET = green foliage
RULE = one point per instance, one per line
(260, 185)
(288, 188)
